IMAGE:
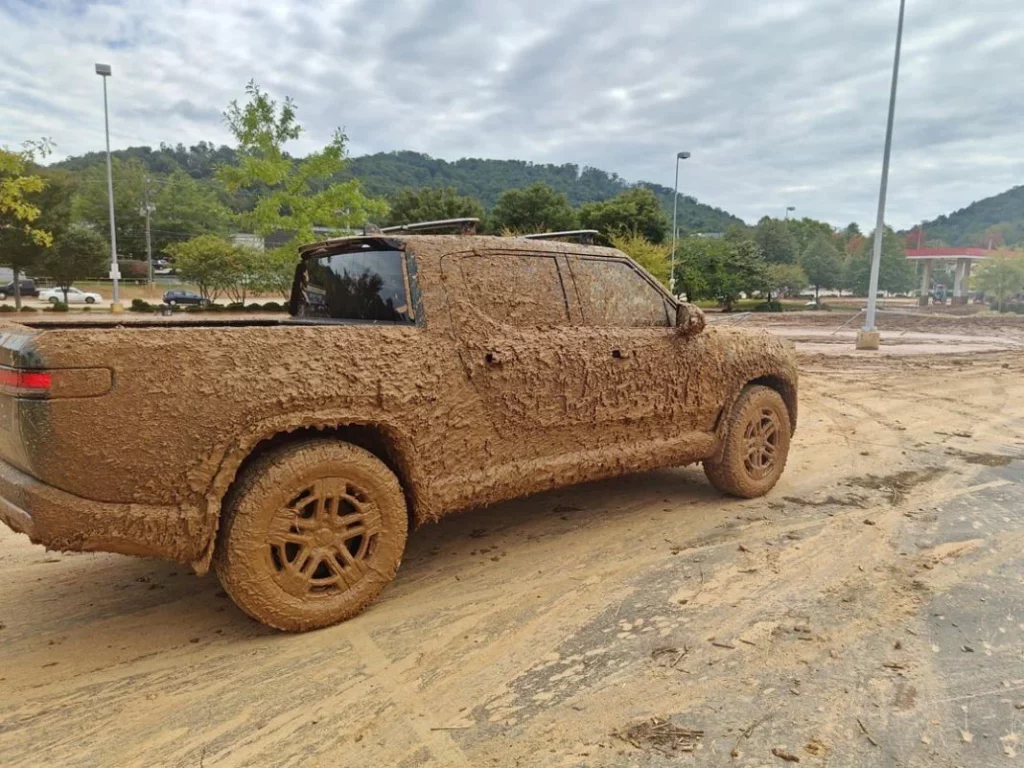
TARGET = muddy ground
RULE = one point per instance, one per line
(869, 612)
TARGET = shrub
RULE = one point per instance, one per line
(29, 309)
(141, 305)
(236, 306)
(87, 308)
(272, 306)
(254, 307)
(768, 306)
(7, 308)
(193, 308)
(57, 306)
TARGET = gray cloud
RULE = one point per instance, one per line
(782, 102)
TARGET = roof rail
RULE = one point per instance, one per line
(584, 236)
(465, 226)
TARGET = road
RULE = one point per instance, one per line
(868, 612)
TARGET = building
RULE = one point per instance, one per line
(963, 257)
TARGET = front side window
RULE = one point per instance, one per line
(365, 285)
(516, 289)
(612, 293)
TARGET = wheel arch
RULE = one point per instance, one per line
(382, 441)
(785, 388)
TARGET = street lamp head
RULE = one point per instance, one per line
(683, 155)
(103, 70)
(790, 207)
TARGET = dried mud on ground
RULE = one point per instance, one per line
(645, 621)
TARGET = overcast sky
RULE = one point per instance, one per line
(781, 102)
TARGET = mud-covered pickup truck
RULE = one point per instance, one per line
(416, 375)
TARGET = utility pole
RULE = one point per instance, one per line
(146, 210)
(868, 337)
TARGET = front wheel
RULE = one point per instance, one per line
(54, 300)
(311, 534)
(756, 445)
(90, 300)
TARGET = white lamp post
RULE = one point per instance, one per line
(675, 231)
(104, 71)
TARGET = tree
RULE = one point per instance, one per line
(776, 242)
(714, 268)
(90, 205)
(22, 240)
(895, 275)
(786, 279)
(410, 205)
(820, 260)
(77, 253)
(208, 261)
(184, 208)
(536, 208)
(292, 196)
(1001, 277)
(654, 257)
(636, 210)
(806, 230)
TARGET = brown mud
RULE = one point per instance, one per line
(794, 628)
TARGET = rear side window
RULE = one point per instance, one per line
(366, 285)
(516, 289)
(613, 293)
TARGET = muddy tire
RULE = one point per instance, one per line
(311, 534)
(756, 445)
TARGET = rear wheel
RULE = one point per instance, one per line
(54, 300)
(90, 300)
(311, 534)
(756, 445)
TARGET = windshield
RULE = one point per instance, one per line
(366, 285)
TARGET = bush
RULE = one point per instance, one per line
(254, 307)
(7, 308)
(768, 306)
(141, 305)
(29, 309)
(236, 306)
(57, 306)
(193, 308)
(273, 306)
(87, 308)
(132, 269)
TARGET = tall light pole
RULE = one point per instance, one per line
(675, 231)
(789, 209)
(868, 337)
(104, 71)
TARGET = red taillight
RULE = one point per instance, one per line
(25, 381)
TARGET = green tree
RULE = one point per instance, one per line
(654, 257)
(786, 279)
(77, 253)
(90, 205)
(635, 210)
(1001, 277)
(714, 268)
(806, 230)
(292, 196)
(208, 261)
(820, 260)
(777, 244)
(184, 208)
(22, 239)
(410, 205)
(895, 275)
(536, 208)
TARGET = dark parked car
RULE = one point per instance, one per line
(28, 288)
(183, 297)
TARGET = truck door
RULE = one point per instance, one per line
(515, 323)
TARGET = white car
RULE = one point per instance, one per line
(75, 296)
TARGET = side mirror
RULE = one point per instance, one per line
(690, 319)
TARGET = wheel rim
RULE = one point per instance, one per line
(321, 543)
(761, 443)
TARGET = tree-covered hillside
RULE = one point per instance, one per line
(385, 173)
(994, 221)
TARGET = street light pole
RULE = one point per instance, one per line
(675, 230)
(868, 337)
(146, 211)
(104, 71)
(788, 209)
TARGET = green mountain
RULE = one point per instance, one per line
(997, 220)
(384, 173)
